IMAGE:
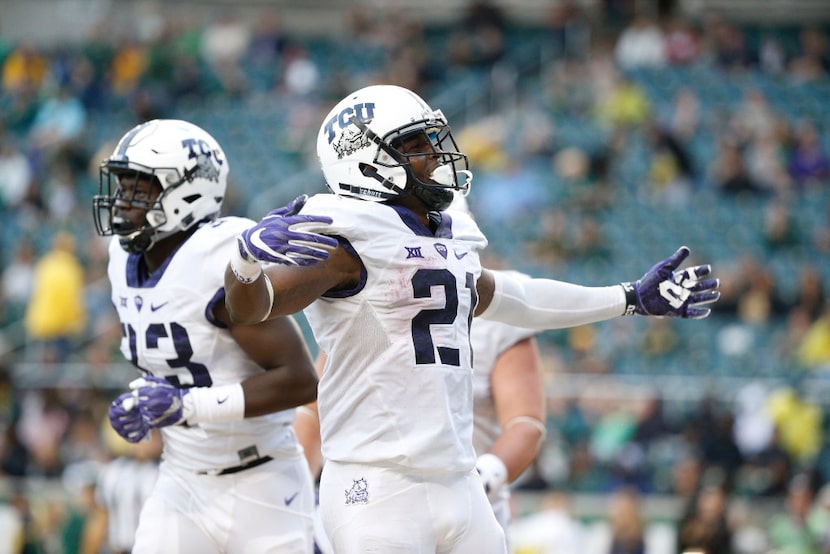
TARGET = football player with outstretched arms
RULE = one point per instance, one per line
(389, 283)
(509, 414)
(232, 476)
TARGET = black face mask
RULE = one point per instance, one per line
(436, 198)
(132, 239)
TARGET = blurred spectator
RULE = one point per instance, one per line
(761, 301)
(727, 44)
(671, 175)
(17, 279)
(641, 44)
(789, 531)
(59, 192)
(268, 41)
(718, 447)
(24, 70)
(814, 349)
(127, 67)
(728, 172)
(704, 527)
(59, 123)
(301, 76)
(818, 520)
(553, 529)
(766, 472)
(809, 164)
(810, 294)
(754, 428)
(780, 226)
(15, 173)
(224, 44)
(772, 57)
(682, 46)
(56, 314)
(753, 118)
(479, 40)
(799, 424)
(626, 105)
(627, 524)
(766, 163)
(812, 61)
(121, 487)
(685, 118)
(41, 428)
(570, 30)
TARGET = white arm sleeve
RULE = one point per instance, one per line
(549, 304)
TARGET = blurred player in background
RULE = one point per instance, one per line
(232, 477)
(390, 290)
(123, 485)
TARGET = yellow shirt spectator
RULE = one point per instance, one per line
(56, 308)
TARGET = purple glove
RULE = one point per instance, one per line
(126, 419)
(159, 402)
(662, 291)
(277, 238)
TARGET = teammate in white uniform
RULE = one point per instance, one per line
(390, 287)
(232, 476)
(509, 408)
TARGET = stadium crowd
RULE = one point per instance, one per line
(591, 130)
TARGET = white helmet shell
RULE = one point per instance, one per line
(357, 147)
(189, 164)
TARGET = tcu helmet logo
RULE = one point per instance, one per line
(205, 166)
(364, 111)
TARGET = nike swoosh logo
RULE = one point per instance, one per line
(160, 306)
(288, 500)
(257, 241)
(222, 400)
(459, 256)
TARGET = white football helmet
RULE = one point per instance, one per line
(186, 161)
(358, 148)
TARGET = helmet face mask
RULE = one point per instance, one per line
(186, 166)
(362, 148)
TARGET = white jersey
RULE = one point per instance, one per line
(167, 330)
(123, 486)
(397, 387)
(490, 339)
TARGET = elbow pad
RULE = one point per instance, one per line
(548, 304)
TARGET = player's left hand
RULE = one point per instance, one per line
(279, 237)
(664, 291)
(159, 402)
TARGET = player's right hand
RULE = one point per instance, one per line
(279, 237)
(126, 419)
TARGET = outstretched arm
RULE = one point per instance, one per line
(548, 304)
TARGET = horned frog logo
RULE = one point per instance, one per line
(205, 168)
(359, 493)
(351, 140)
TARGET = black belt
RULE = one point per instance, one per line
(241, 467)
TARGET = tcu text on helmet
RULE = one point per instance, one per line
(199, 147)
(365, 111)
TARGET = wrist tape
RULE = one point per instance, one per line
(246, 271)
(630, 298)
(214, 404)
